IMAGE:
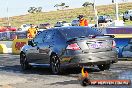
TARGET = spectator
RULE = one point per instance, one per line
(37, 28)
(31, 31)
(82, 21)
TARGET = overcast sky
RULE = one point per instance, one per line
(20, 7)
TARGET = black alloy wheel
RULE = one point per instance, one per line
(24, 63)
(124, 19)
(130, 18)
(104, 67)
(55, 64)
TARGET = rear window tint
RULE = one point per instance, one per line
(78, 32)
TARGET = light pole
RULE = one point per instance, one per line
(8, 18)
(96, 13)
(117, 12)
(116, 9)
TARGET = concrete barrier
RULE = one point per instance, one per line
(18, 44)
(3, 48)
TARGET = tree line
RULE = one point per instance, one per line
(62, 6)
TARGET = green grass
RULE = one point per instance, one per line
(128, 23)
(67, 15)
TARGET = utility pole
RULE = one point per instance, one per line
(8, 18)
(8, 22)
(96, 13)
(116, 9)
(117, 12)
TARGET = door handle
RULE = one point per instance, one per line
(37, 48)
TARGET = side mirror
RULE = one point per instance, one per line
(30, 42)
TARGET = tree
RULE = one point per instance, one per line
(57, 6)
(86, 4)
(31, 9)
(34, 9)
(113, 1)
(61, 5)
(39, 9)
(66, 6)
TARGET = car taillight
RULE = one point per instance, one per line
(73, 47)
(113, 44)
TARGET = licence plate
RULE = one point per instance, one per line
(95, 45)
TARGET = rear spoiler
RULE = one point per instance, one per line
(112, 36)
(73, 39)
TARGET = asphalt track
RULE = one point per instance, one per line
(11, 75)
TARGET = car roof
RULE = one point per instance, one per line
(68, 27)
(60, 29)
(72, 28)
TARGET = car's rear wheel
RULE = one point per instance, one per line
(55, 64)
(104, 67)
(24, 63)
(124, 19)
(131, 18)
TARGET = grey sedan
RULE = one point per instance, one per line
(69, 47)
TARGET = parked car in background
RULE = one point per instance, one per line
(127, 15)
(7, 28)
(24, 27)
(69, 47)
(104, 19)
(75, 22)
(127, 50)
(10, 28)
(43, 26)
(62, 24)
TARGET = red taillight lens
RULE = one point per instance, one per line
(113, 44)
(73, 47)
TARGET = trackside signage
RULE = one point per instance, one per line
(86, 81)
(119, 30)
(18, 44)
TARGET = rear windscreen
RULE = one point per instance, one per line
(101, 17)
(78, 32)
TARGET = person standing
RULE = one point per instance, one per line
(82, 21)
(32, 31)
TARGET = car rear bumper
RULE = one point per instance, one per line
(92, 58)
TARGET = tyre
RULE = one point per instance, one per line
(130, 18)
(104, 67)
(24, 63)
(85, 82)
(124, 19)
(19, 29)
(55, 64)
